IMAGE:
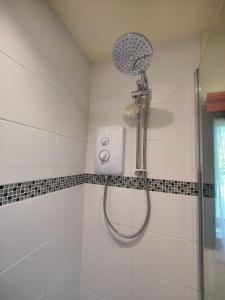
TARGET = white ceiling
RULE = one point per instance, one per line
(96, 24)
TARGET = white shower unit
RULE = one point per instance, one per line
(109, 153)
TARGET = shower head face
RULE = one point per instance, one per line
(132, 53)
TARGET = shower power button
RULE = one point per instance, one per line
(105, 141)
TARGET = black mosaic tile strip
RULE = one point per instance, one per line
(156, 185)
(15, 192)
(208, 190)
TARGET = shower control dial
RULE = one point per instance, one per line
(104, 156)
(105, 141)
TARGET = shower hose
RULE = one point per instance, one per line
(148, 200)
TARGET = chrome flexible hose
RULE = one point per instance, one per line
(113, 228)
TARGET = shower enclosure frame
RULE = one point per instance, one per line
(200, 185)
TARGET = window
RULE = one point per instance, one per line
(219, 169)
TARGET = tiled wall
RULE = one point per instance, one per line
(44, 80)
(44, 92)
(163, 263)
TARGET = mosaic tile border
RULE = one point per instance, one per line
(156, 185)
(15, 192)
(208, 190)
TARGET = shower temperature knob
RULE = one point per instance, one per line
(104, 156)
(105, 141)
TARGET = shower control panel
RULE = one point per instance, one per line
(109, 152)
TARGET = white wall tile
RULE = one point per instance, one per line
(210, 272)
(89, 161)
(25, 154)
(171, 214)
(172, 69)
(42, 67)
(28, 224)
(107, 116)
(104, 74)
(26, 99)
(72, 118)
(172, 120)
(32, 43)
(113, 281)
(130, 158)
(166, 159)
(48, 266)
(98, 241)
(25, 226)
(184, 54)
(42, 297)
(63, 251)
(65, 208)
(75, 73)
(173, 160)
(119, 204)
(69, 156)
(169, 258)
(26, 279)
(209, 297)
(88, 295)
(93, 194)
(168, 86)
(145, 285)
(66, 286)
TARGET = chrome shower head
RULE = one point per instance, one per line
(132, 53)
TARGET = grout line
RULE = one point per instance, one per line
(70, 267)
(30, 71)
(50, 85)
(166, 280)
(39, 247)
(93, 292)
(170, 236)
(136, 270)
(104, 259)
(42, 130)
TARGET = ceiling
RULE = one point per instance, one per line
(96, 24)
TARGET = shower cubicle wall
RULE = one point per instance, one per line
(44, 78)
(164, 262)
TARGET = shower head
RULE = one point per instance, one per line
(132, 53)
